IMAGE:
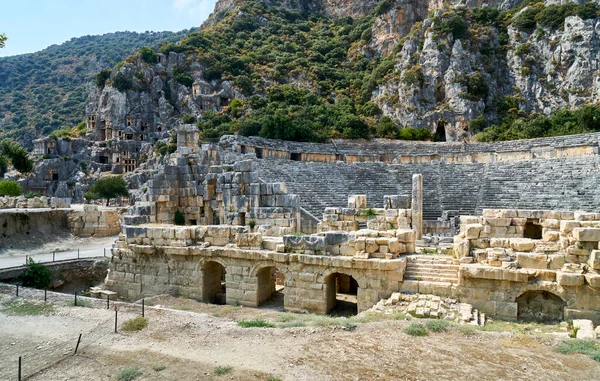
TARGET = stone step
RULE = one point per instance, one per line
(431, 279)
(420, 274)
(438, 266)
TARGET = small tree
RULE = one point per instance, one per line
(18, 156)
(147, 55)
(10, 188)
(36, 275)
(109, 187)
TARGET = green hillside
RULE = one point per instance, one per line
(46, 90)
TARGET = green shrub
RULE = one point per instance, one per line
(121, 82)
(147, 55)
(477, 124)
(553, 16)
(386, 128)
(255, 323)
(188, 119)
(588, 10)
(128, 374)
(30, 194)
(408, 133)
(10, 188)
(182, 77)
(526, 19)
(413, 76)
(416, 329)
(159, 368)
(36, 275)
(18, 156)
(136, 324)
(455, 24)
(179, 218)
(437, 325)
(477, 87)
(102, 77)
(221, 370)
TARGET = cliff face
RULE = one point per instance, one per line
(448, 63)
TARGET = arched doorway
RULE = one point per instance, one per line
(270, 288)
(213, 283)
(342, 293)
(540, 306)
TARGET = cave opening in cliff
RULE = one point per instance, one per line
(440, 131)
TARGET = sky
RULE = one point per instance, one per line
(32, 25)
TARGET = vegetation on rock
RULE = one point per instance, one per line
(46, 90)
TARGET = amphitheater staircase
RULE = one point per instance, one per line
(431, 268)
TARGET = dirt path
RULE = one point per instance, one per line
(191, 345)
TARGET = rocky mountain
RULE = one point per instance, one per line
(312, 70)
(44, 91)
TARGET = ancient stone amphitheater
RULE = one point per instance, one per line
(331, 224)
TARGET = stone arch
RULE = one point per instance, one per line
(342, 292)
(270, 285)
(540, 305)
(214, 288)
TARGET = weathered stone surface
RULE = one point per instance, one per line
(586, 234)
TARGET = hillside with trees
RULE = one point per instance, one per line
(45, 91)
(309, 71)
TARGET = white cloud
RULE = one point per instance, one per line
(197, 10)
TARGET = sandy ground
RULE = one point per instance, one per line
(191, 339)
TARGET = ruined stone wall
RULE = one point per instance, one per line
(506, 253)
(32, 203)
(404, 152)
(153, 260)
(95, 222)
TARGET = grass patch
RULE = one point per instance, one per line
(20, 307)
(221, 370)
(273, 378)
(128, 374)
(416, 329)
(467, 330)
(159, 368)
(80, 303)
(181, 308)
(437, 325)
(255, 323)
(136, 324)
(587, 347)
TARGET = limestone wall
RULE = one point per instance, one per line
(403, 152)
(94, 222)
(32, 203)
(505, 253)
(191, 261)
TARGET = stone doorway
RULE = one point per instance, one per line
(271, 288)
(342, 295)
(540, 306)
(440, 131)
(214, 289)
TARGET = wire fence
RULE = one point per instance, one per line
(34, 358)
(54, 256)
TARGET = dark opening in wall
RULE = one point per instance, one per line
(259, 153)
(243, 149)
(533, 229)
(242, 219)
(103, 159)
(540, 306)
(295, 156)
(440, 131)
(193, 222)
(55, 177)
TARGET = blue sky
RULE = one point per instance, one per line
(33, 25)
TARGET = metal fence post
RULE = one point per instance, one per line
(75, 298)
(77, 253)
(53, 255)
(19, 368)
(45, 294)
(142, 307)
(17, 290)
(116, 313)
(77, 346)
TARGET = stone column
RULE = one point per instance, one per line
(417, 205)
